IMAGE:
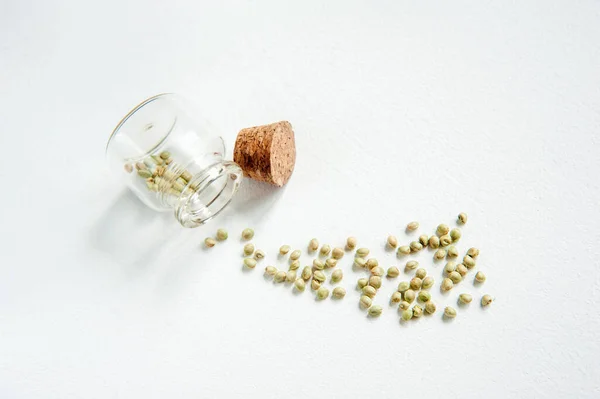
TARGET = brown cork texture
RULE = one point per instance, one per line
(266, 153)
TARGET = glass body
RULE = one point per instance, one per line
(173, 161)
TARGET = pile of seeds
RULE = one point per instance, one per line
(413, 297)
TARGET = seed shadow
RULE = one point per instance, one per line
(447, 319)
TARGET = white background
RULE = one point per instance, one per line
(403, 110)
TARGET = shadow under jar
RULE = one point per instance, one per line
(173, 162)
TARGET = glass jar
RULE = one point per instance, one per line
(173, 161)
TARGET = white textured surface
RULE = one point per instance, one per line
(403, 110)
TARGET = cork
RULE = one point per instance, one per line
(266, 153)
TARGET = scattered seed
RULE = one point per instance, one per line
(300, 285)
(318, 264)
(469, 262)
(295, 265)
(473, 252)
(462, 269)
(403, 286)
(439, 254)
(409, 296)
(480, 277)
(407, 315)
(319, 276)
(313, 245)
(392, 242)
(314, 285)
(411, 265)
(369, 291)
(375, 311)
(455, 234)
(462, 218)
(424, 296)
(284, 249)
(416, 246)
(455, 277)
(337, 253)
(377, 271)
(421, 273)
(350, 243)
(280, 276)
(434, 242)
(442, 229)
(416, 283)
(362, 283)
(412, 226)
(396, 297)
(259, 254)
(322, 293)
(447, 284)
(404, 305)
(247, 234)
(210, 242)
(403, 250)
(450, 267)
(445, 240)
(306, 273)
(330, 262)
(424, 240)
(371, 263)
(375, 282)
(337, 276)
(427, 283)
(338, 292)
(452, 252)
(360, 262)
(295, 254)
(430, 307)
(450, 312)
(222, 234)
(362, 252)
(365, 302)
(486, 300)
(270, 270)
(417, 311)
(290, 276)
(248, 249)
(465, 298)
(393, 272)
(250, 263)
(325, 250)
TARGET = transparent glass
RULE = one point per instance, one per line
(173, 161)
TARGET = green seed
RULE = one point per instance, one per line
(469, 262)
(313, 245)
(424, 240)
(392, 242)
(409, 296)
(295, 265)
(369, 291)
(248, 249)
(455, 277)
(445, 240)
(415, 246)
(165, 155)
(362, 252)
(439, 254)
(315, 285)
(412, 226)
(362, 283)
(377, 271)
(284, 249)
(430, 307)
(295, 254)
(442, 229)
(486, 300)
(411, 265)
(318, 264)
(404, 305)
(270, 270)
(375, 311)
(421, 273)
(330, 262)
(247, 234)
(322, 293)
(337, 253)
(462, 269)
(300, 285)
(473, 252)
(403, 286)
(417, 311)
(306, 273)
(450, 267)
(416, 283)
(480, 277)
(210, 242)
(371, 263)
(424, 296)
(250, 263)
(455, 234)
(407, 315)
(375, 282)
(447, 284)
(396, 297)
(280, 276)
(434, 242)
(462, 218)
(140, 166)
(325, 250)
(338, 293)
(290, 276)
(337, 276)
(350, 243)
(450, 312)
(365, 302)
(222, 234)
(427, 283)
(465, 298)
(403, 250)
(452, 252)
(393, 272)
(360, 262)
(259, 254)
(319, 276)
(145, 173)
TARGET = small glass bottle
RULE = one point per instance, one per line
(172, 161)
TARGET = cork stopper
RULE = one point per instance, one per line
(266, 153)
